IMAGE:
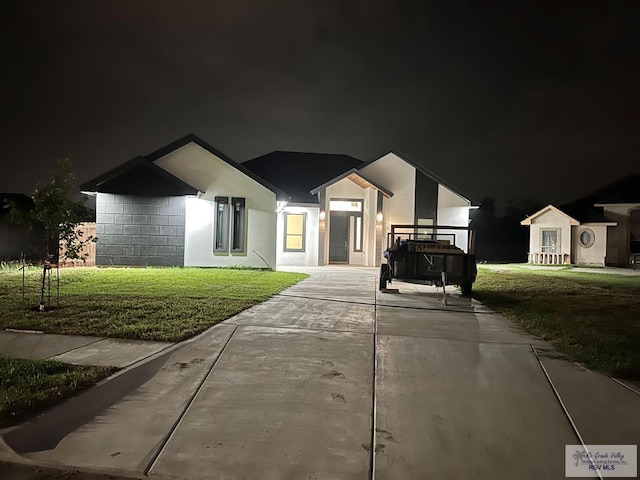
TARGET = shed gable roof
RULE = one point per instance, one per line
(549, 208)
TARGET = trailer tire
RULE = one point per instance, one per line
(466, 288)
(385, 275)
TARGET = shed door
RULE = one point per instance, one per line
(339, 239)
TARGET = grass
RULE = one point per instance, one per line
(29, 385)
(593, 318)
(167, 304)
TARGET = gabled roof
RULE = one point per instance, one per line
(139, 176)
(280, 194)
(423, 170)
(549, 208)
(298, 173)
(357, 177)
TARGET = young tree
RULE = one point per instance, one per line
(57, 217)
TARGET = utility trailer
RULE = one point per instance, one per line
(427, 254)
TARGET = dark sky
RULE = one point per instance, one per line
(508, 99)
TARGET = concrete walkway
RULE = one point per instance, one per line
(114, 352)
(331, 379)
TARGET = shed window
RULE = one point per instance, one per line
(238, 236)
(550, 241)
(221, 225)
(294, 229)
(587, 238)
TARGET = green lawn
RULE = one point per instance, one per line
(593, 318)
(168, 304)
(29, 385)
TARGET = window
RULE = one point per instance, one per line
(294, 226)
(345, 205)
(221, 225)
(357, 241)
(550, 241)
(587, 238)
(239, 221)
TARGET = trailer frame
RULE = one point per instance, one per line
(427, 255)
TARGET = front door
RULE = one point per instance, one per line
(338, 238)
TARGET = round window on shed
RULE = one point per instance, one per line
(587, 237)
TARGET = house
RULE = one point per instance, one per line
(189, 204)
(602, 228)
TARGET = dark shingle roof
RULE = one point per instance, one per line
(624, 190)
(297, 173)
(584, 213)
(139, 177)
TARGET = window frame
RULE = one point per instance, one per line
(355, 214)
(592, 238)
(557, 248)
(285, 217)
(221, 225)
(238, 229)
(358, 232)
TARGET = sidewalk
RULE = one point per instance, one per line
(111, 352)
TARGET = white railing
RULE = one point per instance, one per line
(548, 258)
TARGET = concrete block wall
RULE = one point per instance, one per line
(140, 231)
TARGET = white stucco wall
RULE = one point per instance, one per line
(308, 258)
(398, 176)
(550, 220)
(215, 177)
(453, 210)
(596, 253)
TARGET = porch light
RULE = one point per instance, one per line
(323, 214)
(280, 205)
(92, 194)
(379, 217)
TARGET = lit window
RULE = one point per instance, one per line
(221, 226)
(345, 205)
(357, 244)
(239, 221)
(294, 224)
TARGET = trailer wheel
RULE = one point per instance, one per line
(466, 288)
(385, 275)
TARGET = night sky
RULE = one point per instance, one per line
(507, 99)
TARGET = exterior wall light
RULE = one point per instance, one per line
(280, 205)
(323, 214)
(379, 217)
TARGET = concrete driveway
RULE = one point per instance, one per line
(332, 380)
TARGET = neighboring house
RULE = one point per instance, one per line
(189, 204)
(16, 239)
(602, 228)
